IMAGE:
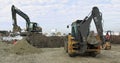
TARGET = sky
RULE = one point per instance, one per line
(57, 14)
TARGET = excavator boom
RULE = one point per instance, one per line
(84, 28)
(19, 12)
(15, 11)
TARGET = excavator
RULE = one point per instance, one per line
(107, 44)
(33, 30)
(83, 41)
(33, 33)
(30, 26)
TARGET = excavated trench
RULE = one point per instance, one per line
(41, 41)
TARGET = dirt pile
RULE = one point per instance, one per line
(23, 47)
(42, 41)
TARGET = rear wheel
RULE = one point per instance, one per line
(72, 55)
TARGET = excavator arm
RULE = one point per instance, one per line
(96, 15)
(15, 11)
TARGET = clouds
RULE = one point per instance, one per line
(58, 13)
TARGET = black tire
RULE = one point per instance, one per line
(72, 55)
(93, 54)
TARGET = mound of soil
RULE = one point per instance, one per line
(23, 47)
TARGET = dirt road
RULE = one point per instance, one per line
(58, 55)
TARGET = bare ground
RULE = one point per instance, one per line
(58, 55)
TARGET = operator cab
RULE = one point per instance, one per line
(75, 32)
(34, 27)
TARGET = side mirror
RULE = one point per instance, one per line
(69, 34)
(67, 26)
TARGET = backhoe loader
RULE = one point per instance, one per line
(83, 41)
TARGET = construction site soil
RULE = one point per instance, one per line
(41, 41)
(23, 52)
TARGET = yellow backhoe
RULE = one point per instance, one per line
(83, 41)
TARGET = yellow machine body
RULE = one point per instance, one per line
(72, 51)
